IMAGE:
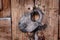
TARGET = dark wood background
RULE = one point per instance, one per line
(12, 10)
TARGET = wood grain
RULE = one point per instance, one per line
(0, 5)
(48, 7)
(5, 12)
(18, 9)
(59, 26)
(5, 29)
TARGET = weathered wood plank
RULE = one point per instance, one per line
(0, 8)
(50, 9)
(59, 22)
(5, 29)
(19, 7)
(59, 26)
(15, 10)
(0, 5)
(25, 6)
(5, 12)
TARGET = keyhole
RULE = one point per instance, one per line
(35, 16)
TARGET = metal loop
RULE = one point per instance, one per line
(40, 14)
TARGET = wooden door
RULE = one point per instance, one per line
(59, 20)
(12, 10)
(5, 20)
(5, 8)
(48, 7)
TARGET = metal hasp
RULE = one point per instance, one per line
(28, 24)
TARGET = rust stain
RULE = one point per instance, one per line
(41, 36)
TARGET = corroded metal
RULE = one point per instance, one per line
(27, 25)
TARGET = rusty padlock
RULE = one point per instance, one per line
(27, 23)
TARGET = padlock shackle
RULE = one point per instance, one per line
(40, 14)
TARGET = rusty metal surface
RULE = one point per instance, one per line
(28, 20)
